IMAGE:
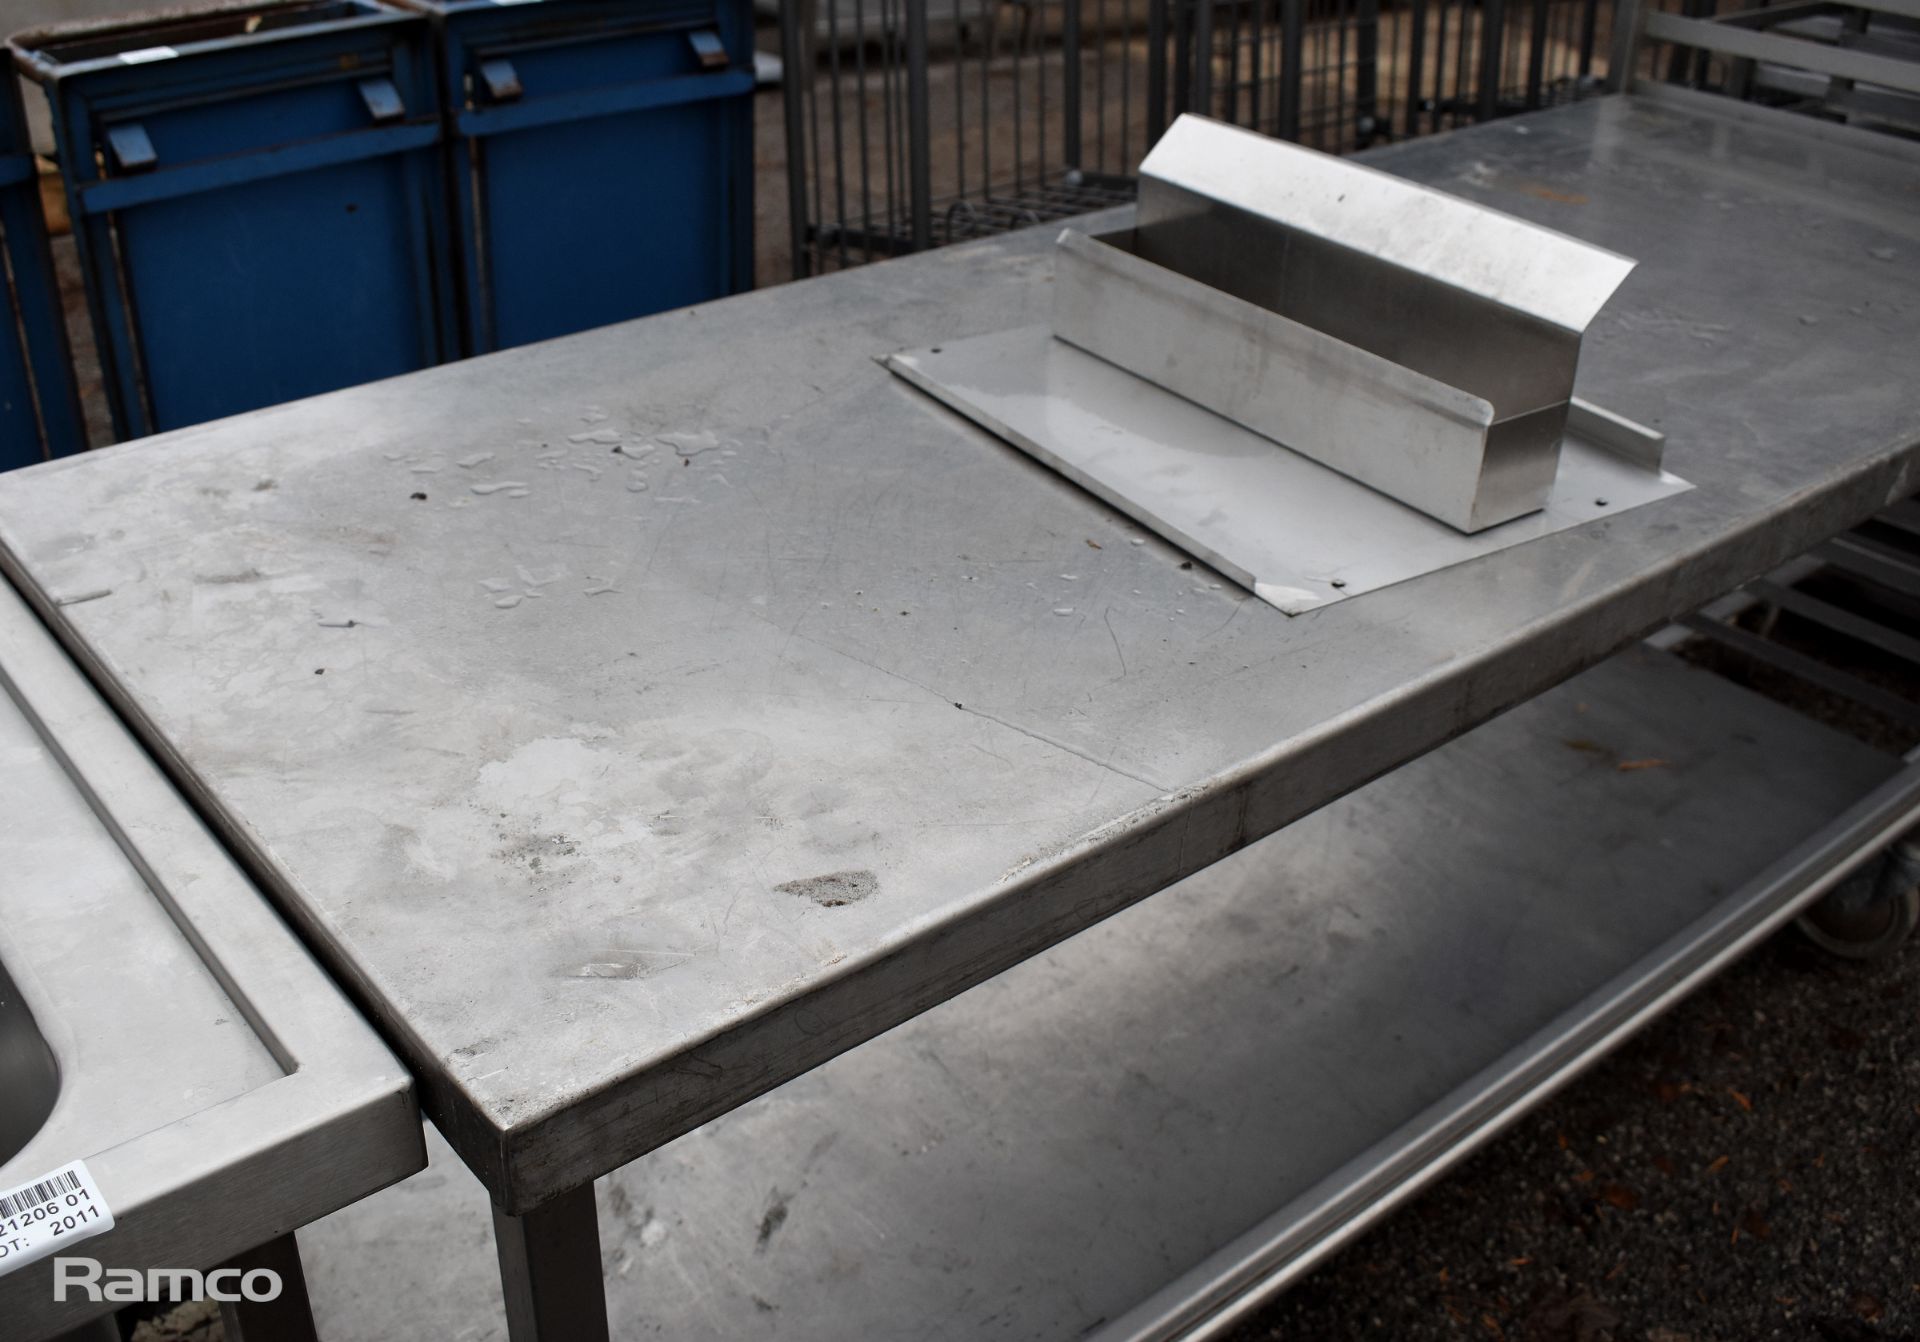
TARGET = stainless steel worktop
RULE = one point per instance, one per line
(1278, 1036)
(621, 785)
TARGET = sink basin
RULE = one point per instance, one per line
(157, 1018)
(29, 1077)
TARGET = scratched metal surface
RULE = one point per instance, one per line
(1038, 1155)
(829, 704)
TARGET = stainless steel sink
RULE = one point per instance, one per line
(29, 1077)
(157, 1019)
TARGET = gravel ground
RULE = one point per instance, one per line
(195, 1322)
(1741, 1170)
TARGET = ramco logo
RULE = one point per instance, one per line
(161, 1284)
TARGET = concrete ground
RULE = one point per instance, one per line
(1742, 1171)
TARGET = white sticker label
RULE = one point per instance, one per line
(145, 54)
(48, 1214)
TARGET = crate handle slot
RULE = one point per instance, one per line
(709, 49)
(501, 79)
(383, 100)
(131, 148)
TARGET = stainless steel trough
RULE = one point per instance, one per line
(1279, 328)
(1417, 342)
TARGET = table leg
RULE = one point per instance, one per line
(550, 1270)
(288, 1317)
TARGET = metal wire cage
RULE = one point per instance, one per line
(914, 123)
(1342, 74)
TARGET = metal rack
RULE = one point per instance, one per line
(1834, 631)
(915, 123)
(1836, 621)
(1857, 63)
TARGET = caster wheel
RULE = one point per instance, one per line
(1870, 915)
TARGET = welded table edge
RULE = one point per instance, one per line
(342, 1123)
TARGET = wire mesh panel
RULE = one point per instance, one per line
(1341, 74)
(931, 121)
(921, 122)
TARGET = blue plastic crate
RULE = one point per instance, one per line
(601, 158)
(257, 199)
(39, 410)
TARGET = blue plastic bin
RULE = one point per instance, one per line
(39, 410)
(601, 158)
(257, 198)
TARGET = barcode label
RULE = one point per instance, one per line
(66, 1181)
(60, 1208)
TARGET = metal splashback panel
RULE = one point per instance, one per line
(1294, 532)
(1473, 296)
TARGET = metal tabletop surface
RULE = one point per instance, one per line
(622, 777)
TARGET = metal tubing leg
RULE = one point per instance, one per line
(1070, 132)
(1156, 71)
(1493, 34)
(1203, 58)
(550, 1270)
(796, 65)
(288, 1317)
(1293, 29)
(919, 132)
(1366, 73)
(1624, 46)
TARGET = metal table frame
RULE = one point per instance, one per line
(550, 1256)
(1448, 651)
